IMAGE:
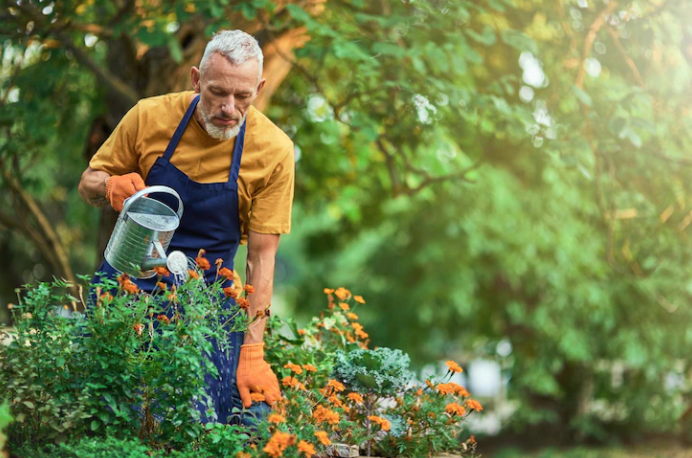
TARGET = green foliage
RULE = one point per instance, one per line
(133, 365)
(5, 419)
(383, 371)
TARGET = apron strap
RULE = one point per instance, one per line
(237, 154)
(173, 144)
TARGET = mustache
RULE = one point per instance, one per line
(227, 118)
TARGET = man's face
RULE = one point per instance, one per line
(226, 93)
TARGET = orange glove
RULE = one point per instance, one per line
(119, 188)
(255, 374)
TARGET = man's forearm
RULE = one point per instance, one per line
(92, 187)
(259, 274)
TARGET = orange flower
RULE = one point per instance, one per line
(472, 439)
(243, 455)
(323, 437)
(309, 368)
(130, 287)
(357, 327)
(172, 297)
(384, 423)
(352, 316)
(162, 272)
(336, 401)
(162, 286)
(230, 292)
(249, 289)
(106, 297)
(294, 367)
(163, 319)
(355, 397)
(432, 415)
(455, 409)
(474, 405)
(321, 413)
(278, 443)
(138, 328)
(342, 293)
(336, 385)
(193, 274)
(276, 418)
(430, 384)
(359, 299)
(454, 367)
(328, 291)
(226, 272)
(307, 448)
(257, 397)
(292, 382)
(202, 262)
(242, 303)
(122, 278)
(452, 388)
(419, 392)
(302, 332)
(344, 306)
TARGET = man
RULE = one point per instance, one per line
(227, 202)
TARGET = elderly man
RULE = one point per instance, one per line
(234, 170)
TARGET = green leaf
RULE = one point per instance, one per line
(519, 40)
(389, 49)
(95, 425)
(29, 404)
(487, 37)
(582, 96)
(175, 49)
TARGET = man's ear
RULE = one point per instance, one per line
(195, 77)
(261, 85)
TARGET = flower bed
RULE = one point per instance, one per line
(134, 368)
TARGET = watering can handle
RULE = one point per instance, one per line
(150, 190)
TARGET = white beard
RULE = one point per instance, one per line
(220, 133)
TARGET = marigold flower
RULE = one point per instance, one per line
(193, 274)
(230, 292)
(242, 303)
(323, 437)
(362, 334)
(307, 448)
(243, 455)
(202, 263)
(385, 425)
(321, 413)
(294, 367)
(106, 297)
(335, 385)
(172, 296)
(455, 409)
(278, 443)
(472, 439)
(257, 397)
(163, 319)
(292, 382)
(419, 392)
(336, 401)
(226, 272)
(352, 316)
(122, 278)
(249, 289)
(355, 397)
(474, 405)
(328, 291)
(162, 271)
(430, 384)
(432, 415)
(162, 286)
(276, 418)
(359, 299)
(138, 328)
(130, 287)
(344, 306)
(357, 327)
(342, 293)
(350, 338)
(309, 368)
(454, 367)
(302, 332)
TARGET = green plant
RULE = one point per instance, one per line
(133, 365)
(5, 419)
(383, 371)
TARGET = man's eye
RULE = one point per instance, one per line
(216, 92)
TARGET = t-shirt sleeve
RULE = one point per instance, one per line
(118, 155)
(272, 204)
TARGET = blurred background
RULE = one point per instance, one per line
(506, 182)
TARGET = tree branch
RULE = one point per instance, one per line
(626, 56)
(590, 38)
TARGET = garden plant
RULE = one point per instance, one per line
(127, 377)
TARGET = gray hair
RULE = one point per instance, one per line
(236, 46)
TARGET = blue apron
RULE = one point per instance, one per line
(211, 221)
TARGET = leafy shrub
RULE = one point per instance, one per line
(134, 365)
(5, 419)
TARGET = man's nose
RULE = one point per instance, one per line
(228, 107)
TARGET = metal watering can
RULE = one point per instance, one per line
(142, 234)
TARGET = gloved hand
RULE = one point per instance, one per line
(119, 188)
(255, 374)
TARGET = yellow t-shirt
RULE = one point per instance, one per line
(267, 168)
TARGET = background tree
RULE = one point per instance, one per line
(569, 118)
